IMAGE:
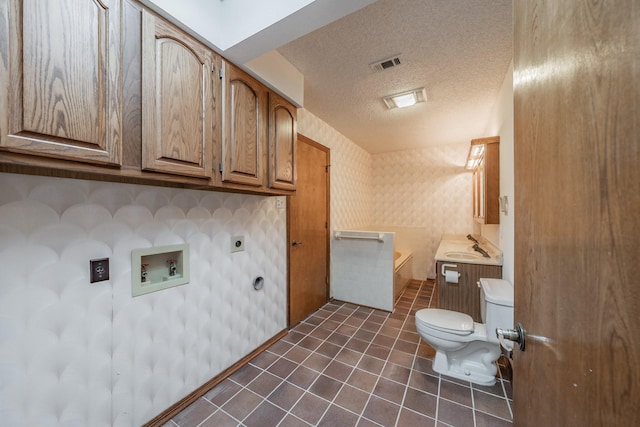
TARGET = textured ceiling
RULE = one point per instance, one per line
(459, 50)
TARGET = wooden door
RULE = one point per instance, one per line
(60, 79)
(577, 212)
(308, 219)
(282, 143)
(244, 134)
(178, 76)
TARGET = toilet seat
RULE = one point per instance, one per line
(446, 321)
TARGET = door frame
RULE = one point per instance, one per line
(327, 150)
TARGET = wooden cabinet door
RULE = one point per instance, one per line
(177, 98)
(244, 128)
(282, 143)
(61, 79)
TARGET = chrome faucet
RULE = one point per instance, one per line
(484, 253)
(473, 239)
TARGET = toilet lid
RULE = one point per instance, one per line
(446, 320)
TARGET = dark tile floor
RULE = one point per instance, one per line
(347, 365)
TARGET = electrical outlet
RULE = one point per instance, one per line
(237, 243)
(99, 270)
(280, 202)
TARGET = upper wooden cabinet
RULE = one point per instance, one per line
(282, 143)
(486, 180)
(244, 128)
(106, 89)
(60, 77)
(179, 76)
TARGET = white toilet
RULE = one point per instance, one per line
(464, 349)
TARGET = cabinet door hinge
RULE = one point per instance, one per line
(220, 167)
(221, 73)
(213, 68)
(326, 168)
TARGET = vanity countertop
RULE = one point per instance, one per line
(457, 248)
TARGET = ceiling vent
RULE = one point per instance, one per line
(385, 64)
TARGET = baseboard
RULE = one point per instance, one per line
(166, 415)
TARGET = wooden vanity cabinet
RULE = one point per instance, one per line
(61, 79)
(486, 182)
(242, 153)
(464, 296)
(282, 143)
(179, 81)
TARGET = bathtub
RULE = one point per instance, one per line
(402, 271)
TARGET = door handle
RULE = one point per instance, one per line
(295, 243)
(516, 335)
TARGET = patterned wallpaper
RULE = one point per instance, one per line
(425, 192)
(76, 353)
(350, 173)
(79, 354)
(419, 194)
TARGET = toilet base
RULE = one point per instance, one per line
(474, 363)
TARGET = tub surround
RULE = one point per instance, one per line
(363, 268)
(458, 248)
(369, 268)
(402, 268)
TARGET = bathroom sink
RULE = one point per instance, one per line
(462, 255)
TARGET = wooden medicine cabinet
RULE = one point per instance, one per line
(484, 161)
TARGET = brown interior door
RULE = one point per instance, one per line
(577, 212)
(309, 231)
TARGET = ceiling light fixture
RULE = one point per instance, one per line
(405, 99)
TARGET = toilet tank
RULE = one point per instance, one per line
(496, 305)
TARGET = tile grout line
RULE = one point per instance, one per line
(355, 366)
(386, 361)
(220, 406)
(282, 356)
(264, 399)
(350, 320)
(332, 359)
(473, 406)
(378, 375)
(504, 391)
(311, 352)
(438, 398)
(415, 353)
(433, 291)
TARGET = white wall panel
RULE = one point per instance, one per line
(78, 354)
